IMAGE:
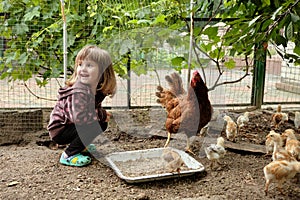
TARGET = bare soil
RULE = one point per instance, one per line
(30, 170)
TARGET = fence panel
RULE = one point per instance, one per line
(281, 86)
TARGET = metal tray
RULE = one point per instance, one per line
(116, 160)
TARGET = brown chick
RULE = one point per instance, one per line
(279, 117)
(279, 153)
(279, 171)
(231, 128)
(292, 145)
(242, 120)
(270, 143)
(215, 152)
(173, 160)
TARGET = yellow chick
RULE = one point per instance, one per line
(215, 152)
(242, 120)
(269, 143)
(231, 128)
(279, 117)
(292, 145)
(279, 171)
(279, 153)
(173, 161)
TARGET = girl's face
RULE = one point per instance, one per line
(88, 73)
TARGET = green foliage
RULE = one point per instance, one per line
(258, 21)
(140, 30)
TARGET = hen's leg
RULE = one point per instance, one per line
(188, 148)
(168, 140)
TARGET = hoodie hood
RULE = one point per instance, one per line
(78, 87)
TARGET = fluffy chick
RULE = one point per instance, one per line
(173, 160)
(279, 171)
(215, 152)
(297, 119)
(279, 117)
(279, 153)
(231, 128)
(270, 142)
(292, 145)
(242, 120)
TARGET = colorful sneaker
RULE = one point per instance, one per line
(77, 160)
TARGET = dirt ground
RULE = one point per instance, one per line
(30, 170)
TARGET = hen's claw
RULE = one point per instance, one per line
(189, 150)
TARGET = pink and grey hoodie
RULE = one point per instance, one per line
(76, 105)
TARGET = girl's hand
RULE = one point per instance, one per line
(107, 116)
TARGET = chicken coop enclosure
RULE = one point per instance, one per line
(281, 87)
(137, 83)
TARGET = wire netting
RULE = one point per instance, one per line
(281, 83)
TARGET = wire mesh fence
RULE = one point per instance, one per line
(22, 93)
(281, 80)
(27, 94)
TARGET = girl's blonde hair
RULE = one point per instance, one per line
(107, 82)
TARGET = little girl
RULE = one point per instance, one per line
(78, 117)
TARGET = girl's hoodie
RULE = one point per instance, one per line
(76, 105)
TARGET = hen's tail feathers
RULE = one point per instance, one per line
(175, 89)
(175, 84)
(159, 88)
(164, 96)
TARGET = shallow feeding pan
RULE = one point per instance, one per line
(148, 165)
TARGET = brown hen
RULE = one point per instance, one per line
(187, 112)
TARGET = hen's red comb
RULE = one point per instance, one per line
(195, 73)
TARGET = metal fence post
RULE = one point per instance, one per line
(259, 73)
(128, 80)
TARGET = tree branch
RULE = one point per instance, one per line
(38, 97)
(234, 81)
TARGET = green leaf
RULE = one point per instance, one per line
(230, 64)
(279, 40)
(126, 45)
(266, 2)
(206, 47)
(295, 18)
(159, 19)
(31, 14)
(23, 58)
(297, 50)
(214, 53)
(266, 24)
(177, 61)
(289, 31)
(133, 21)
(211, 32)
(21, 29)
(108, 28)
